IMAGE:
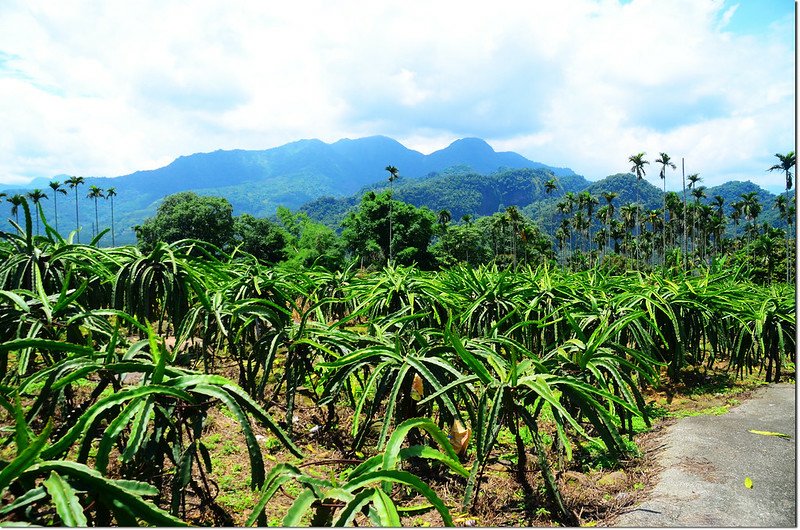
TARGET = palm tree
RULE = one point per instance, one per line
(110, 194)
(654, 217)
(665, 162)
(737, 210)
(780, 204)
(604, 215)
(717, 227)
(683, 182)
(609, 196)
(74, 182)
(629, 214)
(56, 187)
(95, 193)
(787, 162)
(698, 192)
(392, 177)
(444, 218)
(694, 178)
(36, 195)
(16, 202)
(514, 219)
(588, 201)
(618, 232)
(751, 207)
(550, 186)
(564, 207)
(719, 202)
(638, 162)
(675, 209)
(577, 225)
(467, 219)
(718, 221)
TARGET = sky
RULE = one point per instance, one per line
(108, 88)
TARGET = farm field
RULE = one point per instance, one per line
(190, 386)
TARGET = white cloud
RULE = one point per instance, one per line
(106, 89)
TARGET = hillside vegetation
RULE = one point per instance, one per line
(258, 182)
(464, 178)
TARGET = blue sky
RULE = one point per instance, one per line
(107, 89)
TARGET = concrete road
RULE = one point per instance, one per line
(707, 459)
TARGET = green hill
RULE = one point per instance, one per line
(458, 190)
(257, 182)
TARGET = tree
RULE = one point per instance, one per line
(665, 162)
(638, 162)
(514, 219)
(564, 207)
(16, 202)
(462, 243)
(467, 220)
(392, 177)
(36, 196)
(365, 231)
(110, 194)
(505, 233)
(675, 208)
(562, 234)
(260, 237)
(718, 221)
(629, 214)
(751, 208)
(609, 197)
(57, 188)
(550, 186)
(319, 246)
(444, 219)
(309, 243)
(787, 162)
(186, 215)
(694, 178)
(95, 193)
(698, 192)
(74, 182)
(719, 202)
(589, 201)
(737, 210)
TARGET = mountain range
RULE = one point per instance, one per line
(310, 174)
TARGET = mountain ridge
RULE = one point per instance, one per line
(258, 181)
(292, 175)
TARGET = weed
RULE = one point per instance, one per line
(212, 440)
(230, 448)
(240, 500)
(597, 456)
(710, 411)
(272, 444)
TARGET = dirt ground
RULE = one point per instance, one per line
(594, 489)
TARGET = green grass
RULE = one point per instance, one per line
(597, 456)
(230, 448)
(710, 411)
